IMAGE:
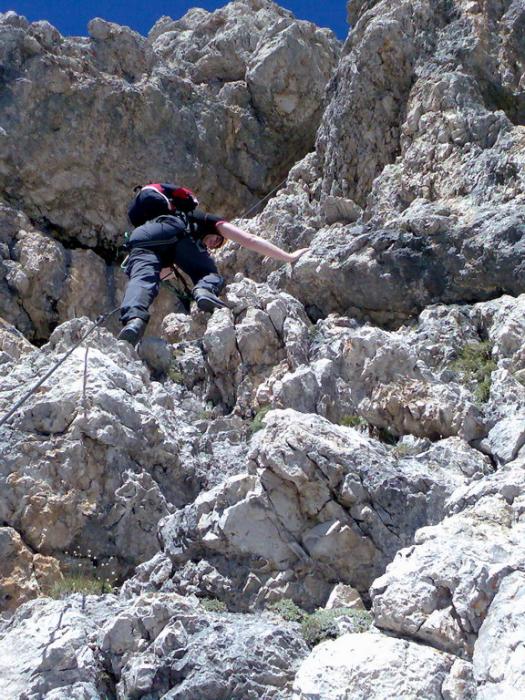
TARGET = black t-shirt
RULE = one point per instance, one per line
(201, 223)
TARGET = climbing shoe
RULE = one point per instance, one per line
(207, 301)
(133, 331)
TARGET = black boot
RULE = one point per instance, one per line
(206, 300)
(133, 331)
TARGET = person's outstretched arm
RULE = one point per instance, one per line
(253, 242)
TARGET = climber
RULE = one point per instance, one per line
(171, 231)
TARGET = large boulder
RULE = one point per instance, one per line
(441, 589)
(368, 665)
(322, 504)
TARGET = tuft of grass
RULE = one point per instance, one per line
(320, 625)
(353, 421)
(401, 451)
(519, 376)
(475, 365)
(288, 610)
(175, 374)
(205, 414)
(258, 421)
(79, 583)
(213, 605)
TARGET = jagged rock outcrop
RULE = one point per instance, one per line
(391, 354)
(93, 460)
(190, 103)
(23, 574)
(423, 130)
(321, 504)
(44, 283)
(456, 567)
(496, 663)
(264, 353)
(227, 356)
(161, 646)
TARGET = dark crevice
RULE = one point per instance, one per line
(107, 251)
(498, 97)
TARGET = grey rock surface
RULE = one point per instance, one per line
(369, 665)
(441, 589)
(391, 354)
(46, 650)
(158, 646)
(188, 103)
(423, 131)
(321, 504)
(93, 460)
(498, 650)
(23, 574)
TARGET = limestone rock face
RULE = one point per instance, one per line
(497, 651)
(226, 357)
(93, 460)
(160, 645)
(44, 283)
(322, 504)
(190, 103)
(23, 575)
(441, 589)
(13, 344)
(375, 666)
(265, 353)
(46, 651)
(167, 643)
(423, 132)
(353, 422)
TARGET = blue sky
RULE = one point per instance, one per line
(71, 18)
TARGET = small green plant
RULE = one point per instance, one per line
(475, 365)
(175, 374)
(383, 434)
(288, 610)
(258, 421)
(79, 583)
(83, 572)
(205, 414)
(519, 376)
(353, 421)
(401, 450)
(315, 332)
(213, 605)
(321, 624)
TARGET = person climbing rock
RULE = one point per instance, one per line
(169, 231)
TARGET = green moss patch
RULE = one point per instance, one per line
(320, 625)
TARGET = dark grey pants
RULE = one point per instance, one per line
(158, 245)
